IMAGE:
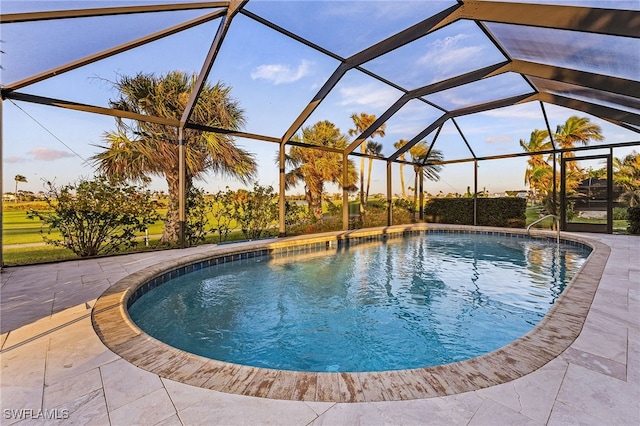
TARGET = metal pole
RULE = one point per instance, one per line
(421, 211)
(282, 201)
(345, 193)
(182, 192)
(475, 192)
(555, 189)
(1, 183)
(389, 196)
(563, 193)
(610, 192)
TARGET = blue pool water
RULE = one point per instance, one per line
(405, 303)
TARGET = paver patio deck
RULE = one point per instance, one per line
(54, 364)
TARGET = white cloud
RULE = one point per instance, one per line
(280, 73)
(455, 98)
(448, 54)
(499, 139)
(47, 154)
(526, 111)
(408, 131)
(368, 95)
(14, 159)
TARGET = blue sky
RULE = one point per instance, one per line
(273, 77)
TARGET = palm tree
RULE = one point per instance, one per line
(314, 167)
(138, 150)
(398, 145)
(418, 154)
(576, 130)
(373, 148)
(19, 178)
(362, 122)
(627, 177)
(536, 173)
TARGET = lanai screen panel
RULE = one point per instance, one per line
(604, 4)
(21, 6)
(94, 83)
(34, 47)
(499, 131)
(356, 92)
(478, 92)
(448, 52)
(596, 53)
(346, 27)
(410, 120)
(272, 76)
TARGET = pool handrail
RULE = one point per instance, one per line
(556, 219)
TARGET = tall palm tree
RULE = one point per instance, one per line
(418, 154)
(577, 130)
(536, 173)
(361, 123)
(314, 167)
(398, 145)
(19, 178)
(373, 148)
(138, 150)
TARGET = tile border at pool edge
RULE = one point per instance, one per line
(557, 330)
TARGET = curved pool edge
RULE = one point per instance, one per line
(555, 333)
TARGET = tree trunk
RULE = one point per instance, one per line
(404, 193)
(171, 232)
(313, 195)
(366, 197)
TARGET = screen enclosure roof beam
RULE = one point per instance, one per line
(106, 11)
(624, 23)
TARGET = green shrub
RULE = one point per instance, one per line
(619, 213)
(255, 211)
(404, 211)
(633, 216)
(500, 212)
(222, 214)
(96, 217)
(197, 226)
(294, 214)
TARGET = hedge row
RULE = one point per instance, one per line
(502, 212)
(633, 216)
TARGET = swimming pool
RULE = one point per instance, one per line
(551, 337)
(402, 303)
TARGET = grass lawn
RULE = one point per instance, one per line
(39, 254)
(49, 253)
(17, 229)
(533, 213)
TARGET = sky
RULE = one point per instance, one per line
(274, 77)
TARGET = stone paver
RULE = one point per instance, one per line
(53, 364)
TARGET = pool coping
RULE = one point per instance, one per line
(555, 333)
